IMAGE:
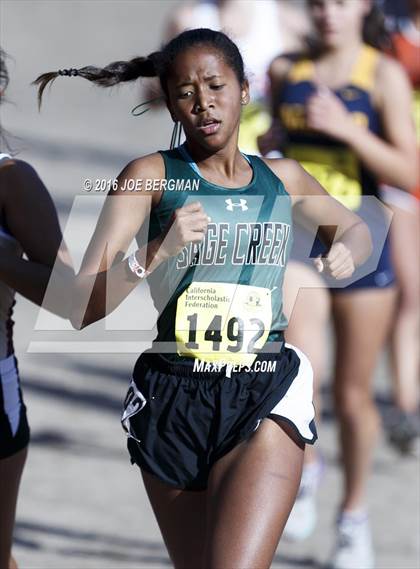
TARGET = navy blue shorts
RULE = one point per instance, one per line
(179, 421)
(14, 428)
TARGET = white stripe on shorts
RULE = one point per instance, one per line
(297, 405)
(10, 388)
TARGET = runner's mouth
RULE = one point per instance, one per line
(209, 126)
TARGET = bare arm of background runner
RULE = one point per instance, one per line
(32, 219)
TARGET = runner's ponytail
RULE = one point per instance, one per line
(113, 74)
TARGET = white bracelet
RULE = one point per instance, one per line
(136, 268)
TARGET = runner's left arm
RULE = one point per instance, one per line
(344, 232)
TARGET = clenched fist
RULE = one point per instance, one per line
(338, 263)
(187, 224)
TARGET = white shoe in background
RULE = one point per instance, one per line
(303, 517)
(354, 546)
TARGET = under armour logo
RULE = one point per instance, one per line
(231, 205)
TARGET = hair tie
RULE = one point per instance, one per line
(69, 72)
(137, 114)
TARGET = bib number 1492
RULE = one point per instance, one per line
(234, 333)
(223, 321)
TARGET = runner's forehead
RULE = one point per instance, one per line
(204, 62)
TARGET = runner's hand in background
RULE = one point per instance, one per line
(338, 263)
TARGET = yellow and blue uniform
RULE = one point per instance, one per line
(333, 163)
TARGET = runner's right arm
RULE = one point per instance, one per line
(105, 279)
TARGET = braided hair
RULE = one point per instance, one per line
(157, 64)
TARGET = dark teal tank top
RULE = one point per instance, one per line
(221, 299)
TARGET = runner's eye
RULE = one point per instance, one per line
(217, 87)
(184, 95)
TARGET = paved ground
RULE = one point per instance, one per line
(82, 505)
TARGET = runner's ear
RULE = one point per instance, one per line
(245, 92)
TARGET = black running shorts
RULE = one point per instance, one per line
(179, 421)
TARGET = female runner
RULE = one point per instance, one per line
(26, 212)
(220, 449)
(345, 111)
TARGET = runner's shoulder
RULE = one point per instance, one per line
(282, 64)
(391, 79)
(19, 176)
(289, 171)
(140, 171)
(16, 169)
(149, 166)
(388, 68)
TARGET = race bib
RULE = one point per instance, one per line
(336, 169)
(223, 322)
